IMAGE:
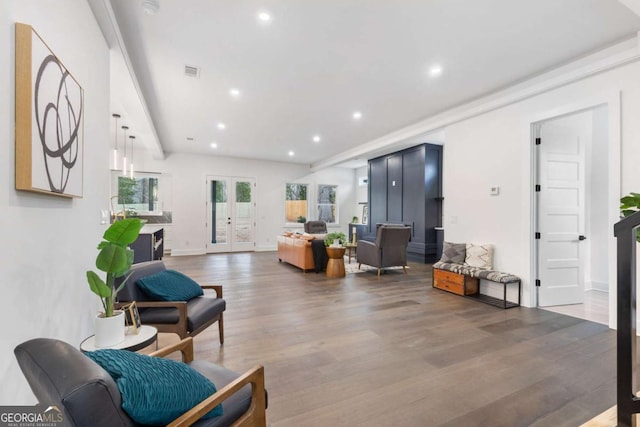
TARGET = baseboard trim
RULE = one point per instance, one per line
(183, 252)
(598, 286)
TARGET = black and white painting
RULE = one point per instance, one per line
(53, 142)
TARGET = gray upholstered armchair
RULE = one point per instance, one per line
(185, 318)
(315, 227)
(389, 249)
(61, 376)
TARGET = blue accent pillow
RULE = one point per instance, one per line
(155, 391)
(170, 285)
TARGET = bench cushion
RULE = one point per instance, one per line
(497, 276)
(456, 268)
(478, 273)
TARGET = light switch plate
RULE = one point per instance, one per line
(495, 190)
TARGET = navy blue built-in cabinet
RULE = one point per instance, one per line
(406, 187)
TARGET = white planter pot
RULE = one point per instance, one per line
(109, 330)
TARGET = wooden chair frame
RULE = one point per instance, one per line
(181, 327)
(254, 416)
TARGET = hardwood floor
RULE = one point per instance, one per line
(363, 351)
(594, 308)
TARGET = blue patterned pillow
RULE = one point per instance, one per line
(170, 285)
(155, 391)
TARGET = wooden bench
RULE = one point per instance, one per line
(464, 280)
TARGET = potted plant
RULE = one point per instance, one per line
(114, 258)
(354, 220)
(629, 205)
(335, 239)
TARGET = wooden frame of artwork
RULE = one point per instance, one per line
(132, 316)
(49, 120)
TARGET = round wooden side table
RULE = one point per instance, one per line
(335, 266)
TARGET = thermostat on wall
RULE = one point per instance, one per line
(495, 190)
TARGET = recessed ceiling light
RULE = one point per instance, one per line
(235, 92)
(214, 145)
(316, 138)
(357, 115)
(264, 17)
(435, 71)
(291, 153)
(221, 126)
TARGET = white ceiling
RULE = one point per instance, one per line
(318, 61)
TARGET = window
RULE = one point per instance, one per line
(327, 203)
(295, 204)
(137, 195)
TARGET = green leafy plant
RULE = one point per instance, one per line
(302, 219)
(629, 205)
(115, 259)
(335, 236)
(354, 220)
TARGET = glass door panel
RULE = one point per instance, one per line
(230, 214)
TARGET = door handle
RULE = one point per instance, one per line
(581, 237)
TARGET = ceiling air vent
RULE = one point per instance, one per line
(191, 71)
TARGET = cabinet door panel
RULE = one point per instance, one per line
(433, 194)
(377, 192)
(413, 201)
(394, 189)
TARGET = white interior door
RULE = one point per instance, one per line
(230, 214)
(561, 216)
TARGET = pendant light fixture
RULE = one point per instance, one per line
(124, 159)
(115, 145)
(132, 138)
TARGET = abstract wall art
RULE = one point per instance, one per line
(49, 120)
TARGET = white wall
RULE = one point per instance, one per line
(494, 149)
(188, 172)
(599, 232)
(48, 241)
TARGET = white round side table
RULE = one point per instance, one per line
(133, 342)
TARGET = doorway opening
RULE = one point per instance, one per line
(571, 214)
(230, 216)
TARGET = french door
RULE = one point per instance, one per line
(230, 214)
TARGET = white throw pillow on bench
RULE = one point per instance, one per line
(480, 256)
